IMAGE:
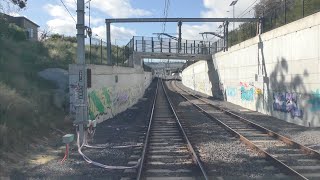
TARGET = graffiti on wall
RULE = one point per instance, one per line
(121, 98)
(247, 94)
(231, 91)
(244, 84)
(76, 94)
(248, 90)
(258, 91)
(200, 86)
(107, 101)
(99, 102)
(287, 102)
(314, 101)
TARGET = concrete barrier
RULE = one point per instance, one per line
(277, 73)
(113, 89)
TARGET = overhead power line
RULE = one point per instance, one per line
(68, 11)
(243, 13)
(165, 13)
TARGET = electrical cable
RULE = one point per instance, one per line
(241, 14)
(66, 153)
(88, 160)
(68, 11)
(165, 14)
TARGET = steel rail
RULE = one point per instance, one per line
(271, 133)
(242, 138)
(146, 142)
(194, 155)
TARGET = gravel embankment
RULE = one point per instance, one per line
(123, 129)
(222, 154)
(304, 135)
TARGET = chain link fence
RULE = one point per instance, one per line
(283, 12)
(167, 45)
(96, 53)
(275, 13)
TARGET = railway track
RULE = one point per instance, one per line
(167, 152)
(297, 160)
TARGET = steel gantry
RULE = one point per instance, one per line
(179, 21)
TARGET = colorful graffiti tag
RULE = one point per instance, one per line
(314, 101)
(258, 91)
(287, 102)
(247, 94)
(121, 98)
(99, 102)
(231, 91)
(107, 101)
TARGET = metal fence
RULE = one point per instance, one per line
(280, 13)
(275, 14)
(167, 45)
(96, 53)
(243, 32)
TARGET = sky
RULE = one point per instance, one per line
(52, 16)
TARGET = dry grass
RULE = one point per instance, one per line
(26, 107)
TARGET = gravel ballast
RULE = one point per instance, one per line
(222, 154)
(124, 129)
(305, 135)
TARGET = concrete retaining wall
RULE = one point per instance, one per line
(113, 89)
(277, 73)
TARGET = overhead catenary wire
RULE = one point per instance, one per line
(68, 11)
(244, 12)
(165, 14)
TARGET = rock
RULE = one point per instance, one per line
(61, 78)
(57, 75)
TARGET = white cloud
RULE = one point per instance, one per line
(118, 8)
(191, 32)
(216, 9)
(120, 34)
(63, 23)
(219, 8)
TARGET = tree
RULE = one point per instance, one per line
(21, 3)
(264, 6)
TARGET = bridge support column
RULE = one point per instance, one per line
(226, 33)
(179, 39)
(109, 58)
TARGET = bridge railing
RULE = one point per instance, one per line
(167, 45)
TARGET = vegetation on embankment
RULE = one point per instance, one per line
(274, 14)
(27, 110)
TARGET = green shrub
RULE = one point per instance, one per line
(11, 31)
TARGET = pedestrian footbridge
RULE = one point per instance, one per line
(168, 48)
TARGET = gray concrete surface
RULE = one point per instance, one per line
(113, 89)
(276, 73)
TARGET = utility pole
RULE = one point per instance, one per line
(90, 29)
(109, 57)
(233, 3)
(81, 98)
(179, 38)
